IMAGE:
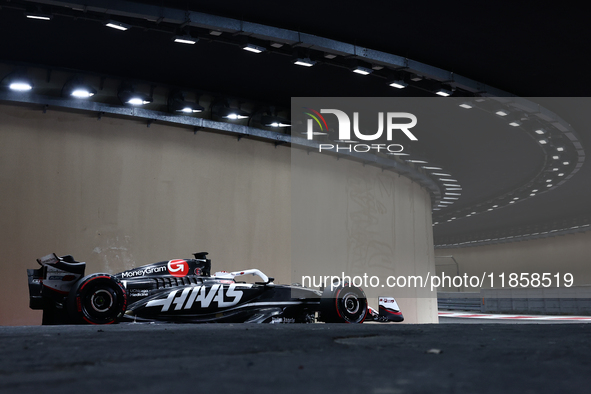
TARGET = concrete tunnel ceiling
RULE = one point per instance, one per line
(541, 64)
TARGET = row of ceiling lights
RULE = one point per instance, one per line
(398, 80)
(556, 169)
(451, 188)
(76, 88)
(514, 120)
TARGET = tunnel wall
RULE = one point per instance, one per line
(559, 254)
(117, 194)
(362, 222)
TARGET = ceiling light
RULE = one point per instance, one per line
(515, 123)
(447, 180)
(443, 92)
(276, 44)
(566, 163)
(329, 55)
(185, 39)
(254, 48)
(453, 194)
(82, 93)
(555, 169)
(38, 16)
(231, 113)
(548, 180)
(532, 194)
(453, 188)
(397, 154)
(178, 104)
(450, 184)
(560, 149)
(540, 131)
(117, 25)
(416, 77)
(450, 198)
(75, 87)
(398, 84)
(440, 174)
(306, 62)
(215, 33)
(432, 168)
(511, 202)
(17, 81)
(466, 105)
(20, 86)
(362, 70)
(556, 157)
(416, 161)
(543, 142)
(495, 206)
(128, 95)
(550, 185)
(137, 101)
(561, 174)
(275, 121)
(502, 112)
(235, 116)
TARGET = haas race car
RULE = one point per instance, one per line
(184, 291)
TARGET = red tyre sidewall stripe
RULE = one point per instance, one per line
(79, 300)
(91, 279)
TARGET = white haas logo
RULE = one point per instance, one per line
(199, 294)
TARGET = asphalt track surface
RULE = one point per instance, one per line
(299, 358)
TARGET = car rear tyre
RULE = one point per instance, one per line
(97, 299)
(343, 304)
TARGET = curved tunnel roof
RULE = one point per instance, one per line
(507, 49)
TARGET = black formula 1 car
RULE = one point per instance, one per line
(183, 290)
